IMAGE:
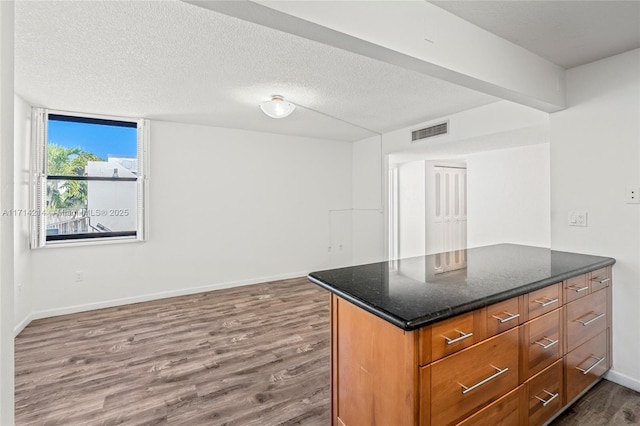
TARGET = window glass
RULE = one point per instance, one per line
(91, 178)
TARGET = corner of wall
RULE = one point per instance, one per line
(23, 293)
(367, 198)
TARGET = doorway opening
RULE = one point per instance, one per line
(428, 211)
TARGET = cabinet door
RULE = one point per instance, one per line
(585, 364)
(586, 318)
(542, 344)
(544, 392)
(473, 378)
(507, 411)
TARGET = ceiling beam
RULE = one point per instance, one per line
(418, 36)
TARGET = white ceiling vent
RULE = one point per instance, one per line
(431, 131)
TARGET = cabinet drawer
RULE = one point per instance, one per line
(600, 278)
(502, 316)
(545, 300)
(542, 339)
(544, 394)
(575, 288)
(452, 335)
(586, 318)
(473, 378)
(504, 412)
(585, 364)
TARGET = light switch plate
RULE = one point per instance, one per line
(577, 218)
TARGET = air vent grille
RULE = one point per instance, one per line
(429, 132)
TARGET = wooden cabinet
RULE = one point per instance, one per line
(545, 300)
(588, 325)
(502, 316)
(517, 362)
(586, 318)
(544, 394)
(585, 365)
(541, 343)
(452, 335)
(373, 369)
(575, 288)
(504, 412)
(470, 379)
(600, 279)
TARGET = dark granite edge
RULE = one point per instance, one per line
(379, 312)
(461, 309)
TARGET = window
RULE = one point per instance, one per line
(89, 178)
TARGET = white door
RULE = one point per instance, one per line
(446, 205)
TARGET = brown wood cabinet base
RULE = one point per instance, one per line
(527, 360)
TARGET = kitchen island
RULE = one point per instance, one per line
(503, 334)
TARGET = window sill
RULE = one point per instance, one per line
(91, 242)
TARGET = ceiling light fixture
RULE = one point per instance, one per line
(277, 107)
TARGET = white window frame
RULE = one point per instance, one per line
(40, 118)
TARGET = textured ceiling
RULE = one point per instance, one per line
(173, 61)
(568, 32)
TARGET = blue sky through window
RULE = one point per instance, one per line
(99, 139)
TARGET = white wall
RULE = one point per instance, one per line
(6, 221)
(412, 194)
(368, 236)
(508, 196)
(23, 295)
(487, 131)
(508, 199)
(226, 207)
(595, 154)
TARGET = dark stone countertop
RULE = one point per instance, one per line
(411, 293)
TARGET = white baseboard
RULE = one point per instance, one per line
(23, 324)
(623, 380)
(147, 297)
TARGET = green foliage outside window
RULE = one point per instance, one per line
(62, 161)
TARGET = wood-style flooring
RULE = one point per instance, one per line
(253, 355)
(605, 404)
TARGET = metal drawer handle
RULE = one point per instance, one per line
(466, 389)
(463, 336)
(509, 317)
(546, 301)
(548, 345)
(597, 316)
(601, 281)
(599, 360)
(546, 401)
(578, 289)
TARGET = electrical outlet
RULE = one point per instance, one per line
(577, 218)
(633, 196)
(79, 276)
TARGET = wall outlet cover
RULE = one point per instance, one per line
(632, 195)
(577, 218)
